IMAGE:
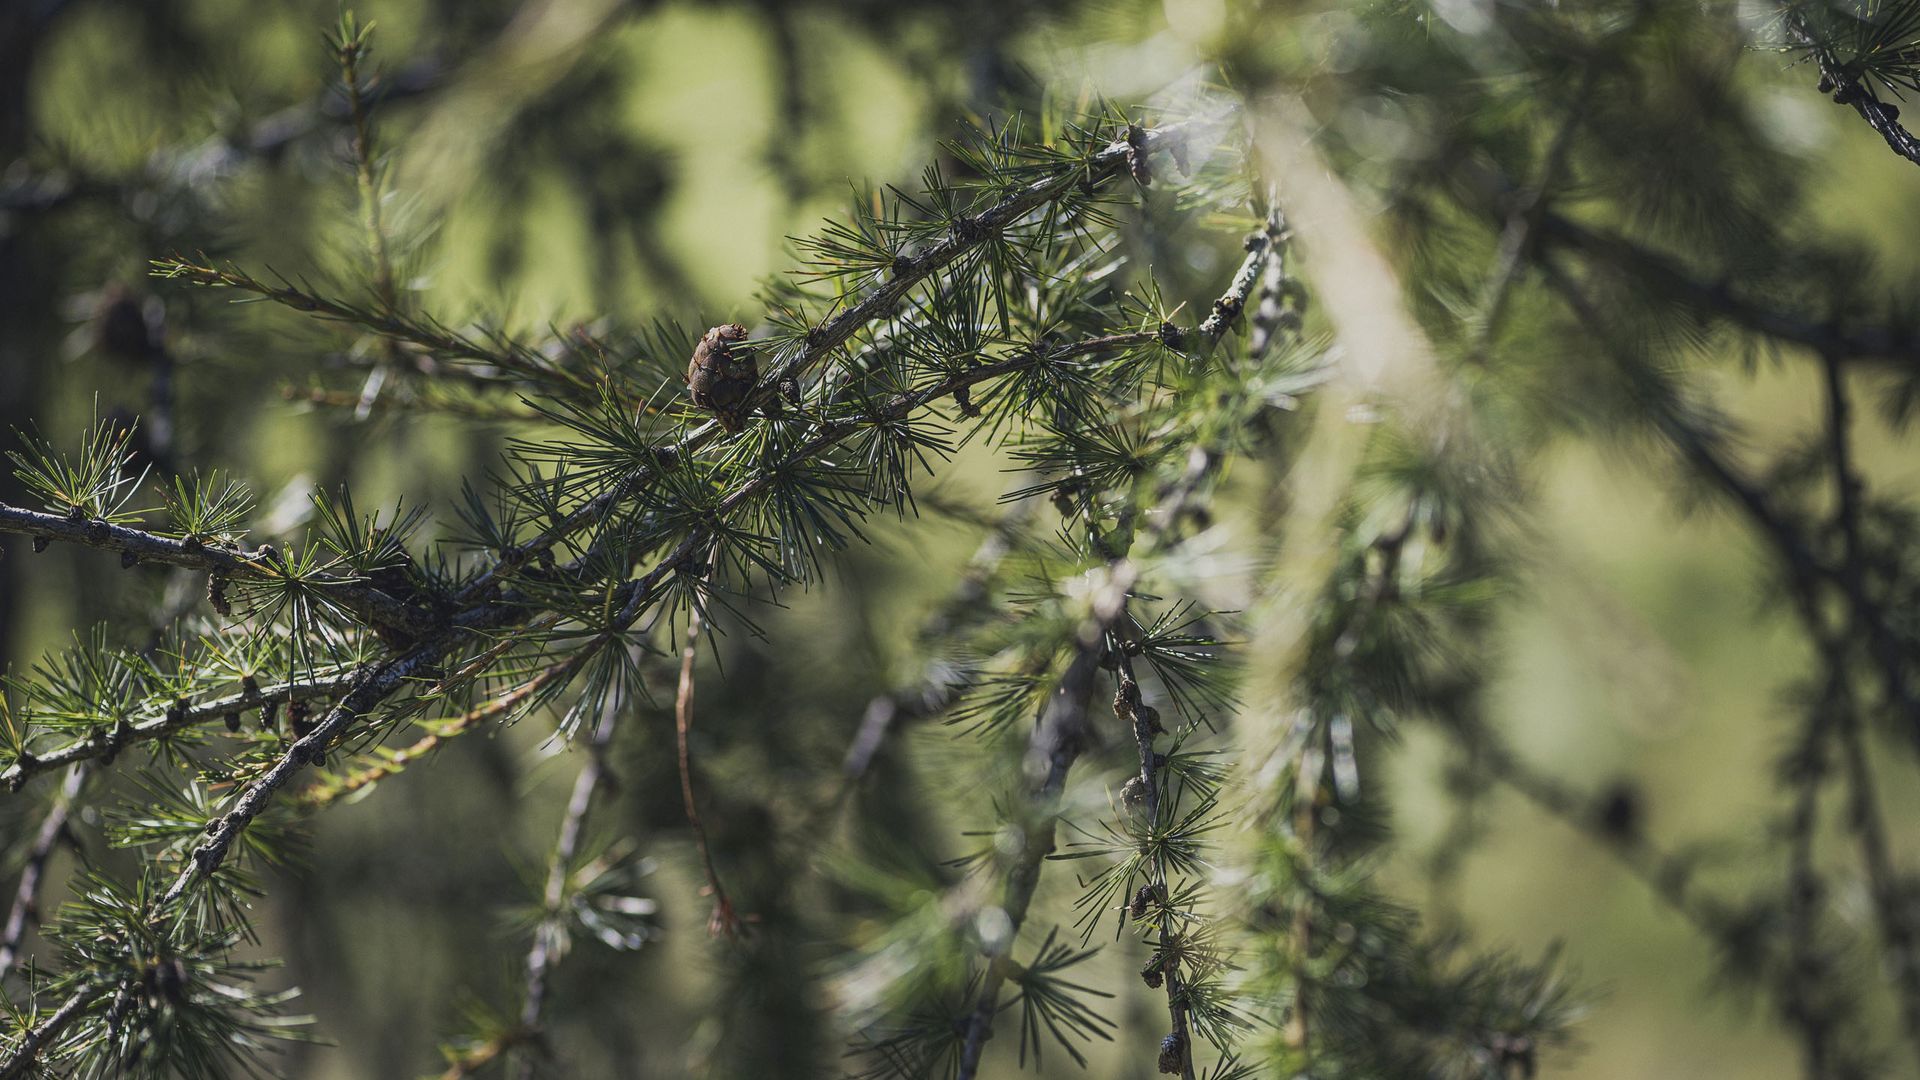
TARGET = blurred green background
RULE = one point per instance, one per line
(556, 161)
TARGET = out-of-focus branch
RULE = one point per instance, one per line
(1058, 740)
(1849, 342)
(26, 897)
(941, 683)
(549, 938)
(1803, 568)
(1869, 826)
(197, 165)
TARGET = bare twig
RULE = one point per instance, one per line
(723, 922)
(549, 938)
(941, 683)
(26, 898)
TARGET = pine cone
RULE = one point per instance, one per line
(722, 374)
(1173, 1053)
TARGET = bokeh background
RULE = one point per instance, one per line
(554, 162)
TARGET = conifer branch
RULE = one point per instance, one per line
(392, 764)
(1883, 879)
(373, 683)
(33, 1040)
(821, 342)
(437, 341)
(181, 717)
(1063, 732)
(1887, 345)
(1848, 88)
(1523, 217)
(377, 607)
(1129, 709)
(350, 48)
(1667, 876)
(1805, 1007)
(1059, 738)
(1804, 570)
(369, 687)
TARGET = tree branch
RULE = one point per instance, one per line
(1658, 269)
(1804, 570)
(1883, 879)
(26, 898)
(37, 1038)
(1848, 89)
(549, 938)
(723, 922)
(171, 722)
(375, 607)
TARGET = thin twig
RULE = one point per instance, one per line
(1129, 709)
(26, 898)
(941, 683)
(723, 922)
(550, 937)
(323, 794)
